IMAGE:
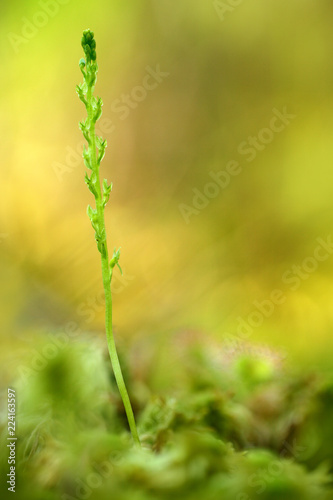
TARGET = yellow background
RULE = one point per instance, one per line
(228, 71)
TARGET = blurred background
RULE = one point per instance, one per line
(188, 87)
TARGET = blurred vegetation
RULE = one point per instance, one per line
(215, 408)
(241, 427)
(225, 78)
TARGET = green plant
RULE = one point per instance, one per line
(93, 156)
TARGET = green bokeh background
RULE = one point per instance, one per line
(225, 78)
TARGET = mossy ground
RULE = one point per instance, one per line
(212, 425)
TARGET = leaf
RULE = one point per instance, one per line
(86, 158)
(92, 214)
(85, 131)
(100, 237)
(99, 141)
(90, 183)
(86, 179)
(106, 191)
(115, 261)
(98, 109)
(80, 90)
(85, 153)
(101, 151)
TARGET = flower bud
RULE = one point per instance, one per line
(89, 45)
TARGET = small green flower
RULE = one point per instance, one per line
(115, 260)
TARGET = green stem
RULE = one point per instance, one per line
(113, 351)
(107, 277)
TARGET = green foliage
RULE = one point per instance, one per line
(318, 422)
(72, 443)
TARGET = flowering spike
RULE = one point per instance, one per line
(93, 155)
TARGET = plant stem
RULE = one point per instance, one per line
(97, 216)
(113, 352)
(107, 277)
